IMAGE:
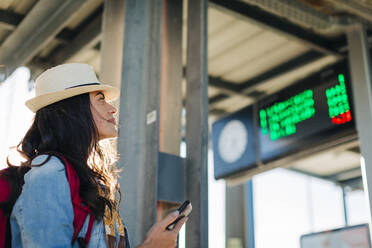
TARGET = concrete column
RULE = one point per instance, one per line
(171, 88)
(112, 42)
(197, 124)
(360, 67)
(139, 115)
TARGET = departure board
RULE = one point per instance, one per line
(314, 112)
(305, 114)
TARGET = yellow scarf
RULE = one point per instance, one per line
(110, 220)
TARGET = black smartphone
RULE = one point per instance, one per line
(184, 211)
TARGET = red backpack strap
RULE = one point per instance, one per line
(84, 242)
(4, 221)
(80, 211)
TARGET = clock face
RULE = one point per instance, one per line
(233, 141)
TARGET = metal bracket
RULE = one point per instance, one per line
(171, 178)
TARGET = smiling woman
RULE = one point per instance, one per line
(71, 116)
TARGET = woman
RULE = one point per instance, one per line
(72, 116)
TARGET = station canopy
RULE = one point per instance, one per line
(255, 48)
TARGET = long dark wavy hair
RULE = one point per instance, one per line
(67, 128)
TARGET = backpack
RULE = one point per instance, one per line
(80, 212)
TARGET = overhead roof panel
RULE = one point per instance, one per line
(329, 163)
(248, 50)
(84, 56)
(264, 62)
(286, 79)
(212, 91)
(234, 103)
(17, 6)
(230, 36)
(218, 20)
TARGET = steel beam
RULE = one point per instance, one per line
(224, 85)
(197, 123)
(217, 98)
(246, 87)
(278, 24)
(9, 20)
(218, 112)
(360, 66)
(86, 39)
(226, 90)
(292, 64)
(45, 20)
(139, 115)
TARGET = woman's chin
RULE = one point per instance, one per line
(108, 136)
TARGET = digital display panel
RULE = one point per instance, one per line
(312, 113)
(281, 118)
(308, 113)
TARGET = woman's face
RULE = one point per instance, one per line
(103, 115)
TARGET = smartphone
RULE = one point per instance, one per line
(184, 211)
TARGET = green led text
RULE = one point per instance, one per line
(281, 118)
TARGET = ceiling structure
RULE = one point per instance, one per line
(255, 48)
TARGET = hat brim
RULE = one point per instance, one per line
(36, 103)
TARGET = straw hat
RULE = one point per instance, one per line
(67, 80)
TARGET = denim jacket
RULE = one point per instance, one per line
(43, 214)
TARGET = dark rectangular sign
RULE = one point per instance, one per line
(309, 113)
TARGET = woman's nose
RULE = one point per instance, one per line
(112, 109)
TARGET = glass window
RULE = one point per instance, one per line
(280, 208)
(356, 206)
(326, 205)
(288, 204)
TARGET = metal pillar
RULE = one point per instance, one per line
(171, 78)
(139, 115)
(362, 92)
(249, 215)
(197, 124)
(112, 42)
(235, 217)
(240, 216)
(345, 205)
(171, 88)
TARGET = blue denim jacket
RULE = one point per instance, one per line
(43, 213)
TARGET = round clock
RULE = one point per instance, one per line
(233, 141)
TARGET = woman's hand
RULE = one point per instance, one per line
(159, 237)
